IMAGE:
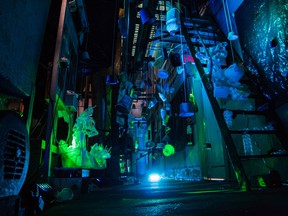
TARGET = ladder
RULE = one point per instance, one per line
(237, 156)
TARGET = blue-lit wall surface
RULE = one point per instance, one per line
(216, 7)
(262, 45)
(263, 35)
(22, 31)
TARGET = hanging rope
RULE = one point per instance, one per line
(228, 24)
(226, 17)
(161, 36)
(182, 58)
(232, 52)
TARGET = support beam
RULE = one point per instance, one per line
(53, 92)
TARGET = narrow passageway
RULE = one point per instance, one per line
(169, 197)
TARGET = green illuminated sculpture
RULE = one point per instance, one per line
(76, 155)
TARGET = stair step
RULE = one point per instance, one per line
(205, 28)
(255, 96)
(199, 21)
(262, 156)
(188, 27)
(253, 131)
(248, 112)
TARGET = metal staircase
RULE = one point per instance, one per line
(249, 123)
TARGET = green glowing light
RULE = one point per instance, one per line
(75, 155)
(192, 98)
(167, 129)
(212, 191)
(242, 183)
(165, 121)
(261, 181)
(168, 150)
(136, 143)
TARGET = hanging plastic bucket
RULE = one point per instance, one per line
(186, 110)
(163, 74)
(163, 114)
(168, 150)
(152, 103)
(146, 83)
(146, 16)
(162, 96)
(173, 20)
(234, 72)
(180, 69)
(168, 107)
(232, 36)
(124, 105)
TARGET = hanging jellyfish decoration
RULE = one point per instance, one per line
(76, 155)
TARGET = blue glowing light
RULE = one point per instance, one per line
(154, 177)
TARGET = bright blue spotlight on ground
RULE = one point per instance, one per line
(154, 177)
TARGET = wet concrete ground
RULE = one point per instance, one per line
(175, 198)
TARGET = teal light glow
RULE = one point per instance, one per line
(154, 177)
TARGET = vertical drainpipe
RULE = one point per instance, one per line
(53, 88)
(141, 153)
(100, 113)
(99, 101)
(126, 40)
(98, 84)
